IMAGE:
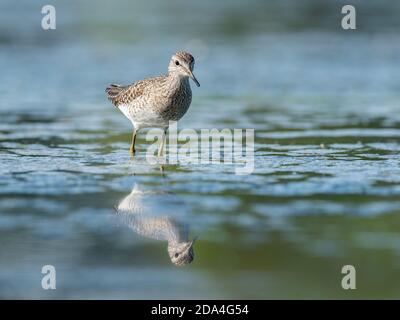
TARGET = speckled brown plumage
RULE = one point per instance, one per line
(185, 56)
(118, 94)
(153, 102)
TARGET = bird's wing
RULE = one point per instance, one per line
(158, 228)
(124, 94)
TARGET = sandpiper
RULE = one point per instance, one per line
(139, 211)
(153, 102)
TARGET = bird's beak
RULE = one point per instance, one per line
(193, 240)
(191, 75)
(190, 243)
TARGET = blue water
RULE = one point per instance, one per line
(325, 191)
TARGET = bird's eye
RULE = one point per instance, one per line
(176, 254)
(177, 62)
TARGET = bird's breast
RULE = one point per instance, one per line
(178, 102)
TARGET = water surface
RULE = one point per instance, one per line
(325, 191)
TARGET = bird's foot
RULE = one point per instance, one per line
(132, 152)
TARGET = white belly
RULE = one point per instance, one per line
(142, 118)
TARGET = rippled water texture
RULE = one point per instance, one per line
(325, 191)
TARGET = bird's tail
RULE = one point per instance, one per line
(113, 91)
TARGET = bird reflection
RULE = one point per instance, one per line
(138, 211)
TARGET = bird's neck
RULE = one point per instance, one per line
(177, 81)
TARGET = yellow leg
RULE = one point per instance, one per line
(161, 147)
(132, 148)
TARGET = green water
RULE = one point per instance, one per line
(325, 191)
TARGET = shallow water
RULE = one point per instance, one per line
(325, 191)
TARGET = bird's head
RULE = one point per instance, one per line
(182, 64)
(181, 253)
